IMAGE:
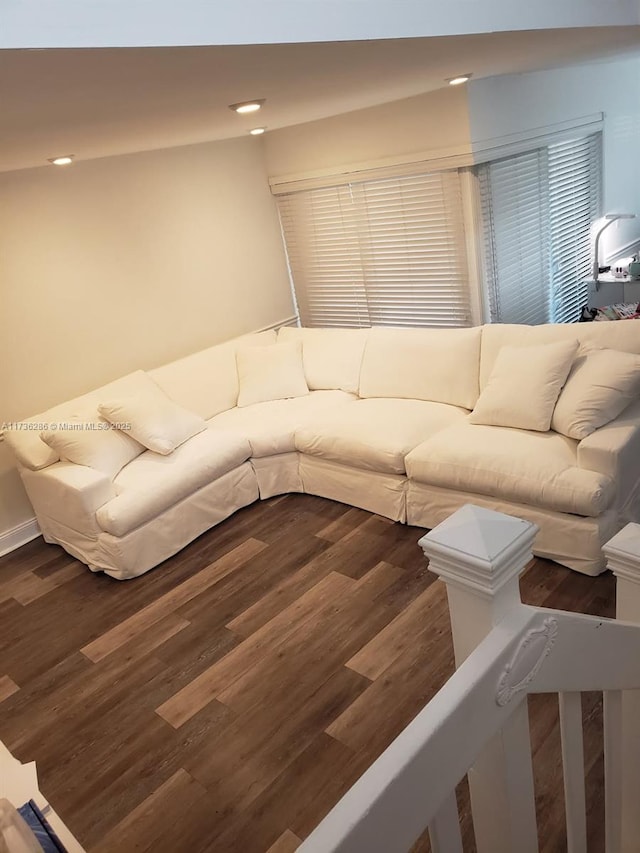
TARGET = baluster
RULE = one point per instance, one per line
(612, 719)
(623, 558)
(479, 554)
(570, 705)
(444, 829)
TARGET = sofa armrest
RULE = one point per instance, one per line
(614, 450)
(69, 494)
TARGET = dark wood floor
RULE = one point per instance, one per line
(226, 700)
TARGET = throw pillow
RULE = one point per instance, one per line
(602, 383)
(524, 385)
(154, 420)
(273, 372)
(92, 442)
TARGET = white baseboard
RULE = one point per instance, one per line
(17, 536)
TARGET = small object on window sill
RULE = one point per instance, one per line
(587, 315)
(619, 311)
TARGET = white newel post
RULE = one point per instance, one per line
(623, 558)
(480, 554)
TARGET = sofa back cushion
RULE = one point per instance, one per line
(602, 383)
(206, 382)
(153, 419)
(618, 335)
(94, 443)
(273, 372)
(332, 358)
(440, 365)
(24, 440)
(524, 385)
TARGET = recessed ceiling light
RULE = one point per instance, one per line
(247, 106)
(62, 161)
(256, 131)
(456, 81)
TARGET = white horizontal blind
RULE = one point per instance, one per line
(574, 203)
(379, 252)
(516, 238)
(537, 210)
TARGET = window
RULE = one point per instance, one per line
(379, 252)
(537, 211)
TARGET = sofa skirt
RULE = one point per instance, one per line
(383, 494)
(572, 540)
(278, 475)
(163, 536)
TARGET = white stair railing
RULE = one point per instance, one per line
(478, 725)
(623, 558)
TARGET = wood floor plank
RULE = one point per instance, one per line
(399, 635)
(379, 579)
(343, 525)
(297, 800)
(292, 587)
(237, 592)
(245, 757)
(37, 698)
(338, 635)
(26, 559)
(126, 631)
(361, 549)
(153, 637)
(125, 780)
(190, 653)
(297, 663)
(188, 701)
(280, 597)
(31, 587)
(7, 687)
(406, 686)
(181, 801)
(287, 843)
(90, 692)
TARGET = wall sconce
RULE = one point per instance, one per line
(610, 218)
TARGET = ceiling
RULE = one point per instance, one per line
(97, 103)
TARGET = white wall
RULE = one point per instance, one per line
(512, 103)
(113, 23)
(128, 262)
(431, 122)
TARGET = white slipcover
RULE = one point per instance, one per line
(376, 434)
(152, 483)
(33, 453)
(332, 358)
(270, 427)
(622, 335)
(348, 449)
(440, 365)
(206, 382)
(518, 465)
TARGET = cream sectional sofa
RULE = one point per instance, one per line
(385, 425)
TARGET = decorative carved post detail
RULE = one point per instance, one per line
(623, 558)
(480, 554)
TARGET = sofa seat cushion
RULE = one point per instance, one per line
(152, 483)
(513, 464)
(376, 434)
(270, 427)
